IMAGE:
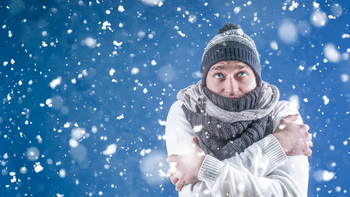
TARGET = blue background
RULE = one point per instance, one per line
(120, 95)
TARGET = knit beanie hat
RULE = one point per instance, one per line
(231, 43)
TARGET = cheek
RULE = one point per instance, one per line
(252, 87)
(213, 85)
(210, 85)
(249, 85)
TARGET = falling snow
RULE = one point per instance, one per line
(325, 100)
(121, 8)
(134, 71)
(110, 150)
(318, 18)
(288, 32)
(87, 85)
(37, 167)
(331, 53)
(90, 42)
(197, 128)
(55, 82)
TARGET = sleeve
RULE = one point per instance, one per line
(253, 161)
(288, 179)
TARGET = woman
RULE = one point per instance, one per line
(250, 143)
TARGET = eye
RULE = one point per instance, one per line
(241, 74)
(219, 76)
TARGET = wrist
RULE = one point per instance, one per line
(282, 141)
(198, 170)
(210, 170)
(273, 150)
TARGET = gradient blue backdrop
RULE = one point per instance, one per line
(119, 78)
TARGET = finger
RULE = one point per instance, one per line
(304, 130)
(310, 144)
(172, 158)
(195, 141)
(170, 172)
(306, 127)
(310, 136)
(309, 152)
(291, 118)
(179, 185)
(174, 179)
(306, 149)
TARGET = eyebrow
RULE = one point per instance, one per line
(219, 67)
(223, 66)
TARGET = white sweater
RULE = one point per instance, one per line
(262, 169)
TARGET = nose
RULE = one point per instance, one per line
(231, 86)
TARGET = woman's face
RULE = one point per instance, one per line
(231, 79)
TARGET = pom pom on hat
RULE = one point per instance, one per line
(228, 26)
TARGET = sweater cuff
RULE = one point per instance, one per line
(273, 151)
(209, 170)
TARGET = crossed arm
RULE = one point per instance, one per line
(263, 167)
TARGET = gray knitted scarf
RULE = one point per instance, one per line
(228, 126)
